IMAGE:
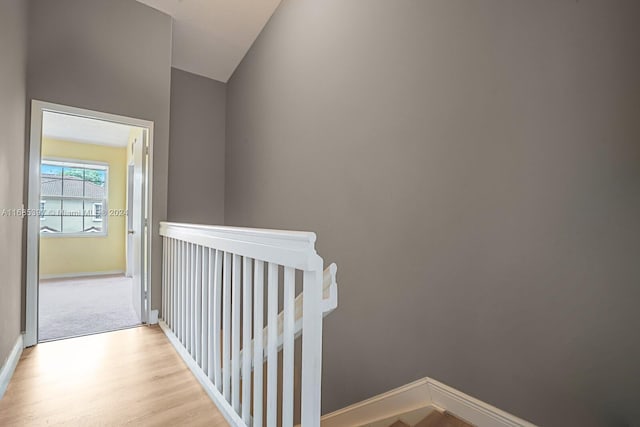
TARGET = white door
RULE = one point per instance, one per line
(130, 184)
(136, 231)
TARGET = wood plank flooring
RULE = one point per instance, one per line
(128, 377)
(442, 419)
(435, 419)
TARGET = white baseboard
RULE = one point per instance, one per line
(471, 409)
(400, 400)
(419, 394)
(215, 395)
(6, 370)
(79, 275)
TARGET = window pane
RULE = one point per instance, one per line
(50, 186)
(72, 224)
(72, 216)
(95, 176)
(89, 209)
(52, 207)
(72, 172)
(51, 224)
(72, 186)
(91, 225)
(93, 190)
(72, 208)
(51, 170)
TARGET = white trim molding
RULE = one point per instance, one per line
(33, 204)
(6, 370)
(81, 275)
(403, 399)
(471, 409)
(423, 393)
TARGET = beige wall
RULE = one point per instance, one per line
(473, 169)
(13, 54)
(61, 256)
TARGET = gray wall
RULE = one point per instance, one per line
(13, 67)
(196, 151)
(473, 168)
(110, 56)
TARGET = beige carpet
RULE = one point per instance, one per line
(82, 306)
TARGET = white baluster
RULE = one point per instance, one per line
(235, 332)
(226, 327)
(172, 283)
(164, 278)
(197, 301)
(217, 309)
(176, 286)
(176, 289)
(188, 310)
(183, 294)
(272, 346)
(311, 348)
(169, 320)
(204, 304)
(167, 295)
(246, 340)
(192, 301)
(288, 346)
(185, 305)
(258, 355)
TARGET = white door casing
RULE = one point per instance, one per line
(33, 204)
(137, 228)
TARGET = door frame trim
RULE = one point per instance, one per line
(33, 204)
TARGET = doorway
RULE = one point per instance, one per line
(87, 225)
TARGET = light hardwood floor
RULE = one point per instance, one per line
(130, 377)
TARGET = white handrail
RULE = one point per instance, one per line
(214, 303)
(288, 248)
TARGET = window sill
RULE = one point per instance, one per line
(72, 235)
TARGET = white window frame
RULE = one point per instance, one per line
(83, 164)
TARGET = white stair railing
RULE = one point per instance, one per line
(213, 312)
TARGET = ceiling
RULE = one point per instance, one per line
(210, 37)
(82, 129)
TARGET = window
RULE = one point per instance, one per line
(97, 211)
(74, 198)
